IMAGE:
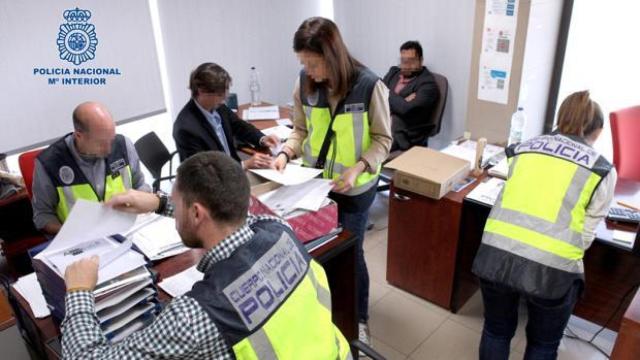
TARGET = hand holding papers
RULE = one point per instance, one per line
(307, 196)
(292, 174)
(156, 236)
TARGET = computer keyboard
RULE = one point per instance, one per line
(624, 215)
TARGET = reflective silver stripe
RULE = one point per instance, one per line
(324, 297)
(572, 196)
(262, 346)
(561, 229)
(532, 253)
(125, 174)
(358, 132)
(307, 154)
(69, 197)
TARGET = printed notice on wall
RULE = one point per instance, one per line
(498, 35)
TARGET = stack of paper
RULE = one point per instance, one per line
(125, 294)
(500, 170)
(487, 192)
(180, 283)
(282, 132)
(306, 196)
(156, 237)
(292, 174)
(467, 151)
(261, 113)
(29, 287)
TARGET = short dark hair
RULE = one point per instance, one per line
(210, 77)
(216, 181)
(412, 44)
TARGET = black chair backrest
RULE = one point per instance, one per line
(152, 153)
(232, 101)
(436, 114)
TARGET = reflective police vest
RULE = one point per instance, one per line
(351, 129)
(532, 240)
(71, 183)
(270, 300)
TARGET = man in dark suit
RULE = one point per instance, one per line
(206, 123)
(413, 94)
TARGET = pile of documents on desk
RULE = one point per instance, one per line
(297, 196)
(126, 296)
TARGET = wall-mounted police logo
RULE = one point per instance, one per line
(66, 174)
(77, 39)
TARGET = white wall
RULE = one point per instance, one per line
(537, 67)
(236, 35)
(375, 29)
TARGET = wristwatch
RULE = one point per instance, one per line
(162, 205)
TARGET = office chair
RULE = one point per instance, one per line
(154, 155)
(27, 161)
(625, 132)
(435, 118)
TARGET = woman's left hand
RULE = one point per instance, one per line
(347, 180)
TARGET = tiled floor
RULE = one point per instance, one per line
(406, 327)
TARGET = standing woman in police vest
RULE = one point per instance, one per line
(341, 124)
(559, 189)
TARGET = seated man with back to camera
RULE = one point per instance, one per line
(413, 94)
(92, 163)
(206, 123)
(262, 296)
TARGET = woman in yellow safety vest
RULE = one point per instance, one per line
(558, 190)
(342, 125)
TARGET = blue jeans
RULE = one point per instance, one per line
(547, 321)
(353, 213)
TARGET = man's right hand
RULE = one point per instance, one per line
(258, 161)
(134, 201)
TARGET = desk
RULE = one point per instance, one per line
(627, 344)
(337, 257)
(285, 112)
(440, 246)
(611, 269)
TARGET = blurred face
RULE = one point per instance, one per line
(97, 141)
(211, 101)
(314, 65)
(409, 62)
(185, 220)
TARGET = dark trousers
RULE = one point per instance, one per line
(545, 327)
(353, 213)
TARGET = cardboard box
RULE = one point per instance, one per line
(427, 172)
(307, 225)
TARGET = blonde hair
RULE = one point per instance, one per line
(579, 115)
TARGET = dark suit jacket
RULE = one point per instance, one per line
(193, 133)
(411, 119)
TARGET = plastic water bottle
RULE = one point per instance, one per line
(254, 86)
(518, 122)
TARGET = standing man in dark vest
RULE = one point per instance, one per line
(262, 296)
(92, 163)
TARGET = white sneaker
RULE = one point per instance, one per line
(363, 333)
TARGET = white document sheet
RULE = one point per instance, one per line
(284, 122)
(90, 220)
(156, 236)
(120, 296)
(307, 196)
(182, 282)
(262, 113)
(467, 151)
(282, 132)
(110, 313)
(625, 237)
(292, 174)
(29, 287)
(500, 170)
(487, 192)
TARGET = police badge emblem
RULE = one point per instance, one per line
(66, 174)
(77, 39)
